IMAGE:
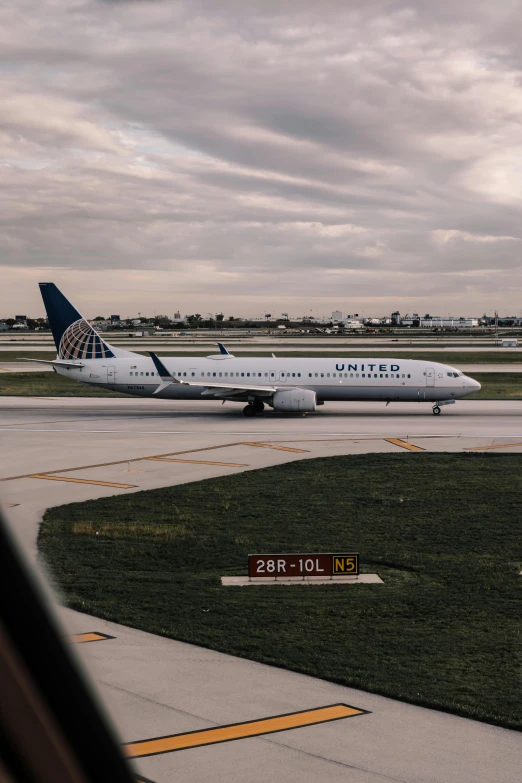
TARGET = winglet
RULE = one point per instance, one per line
(163, 373)
(223, 350)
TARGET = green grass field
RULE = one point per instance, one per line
(442, 530)
(495, 386)
(48, 384)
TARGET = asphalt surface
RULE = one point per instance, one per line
(154, 687)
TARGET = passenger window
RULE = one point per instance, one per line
(309, 374)
(226, 375)
(322, 375)
(351, 375)
(184, 373)
(242, 374)
(380, 376)
(334, 375)
(375, 375)
(141, 373)
(146, 373)
(357, 375)
(409, 376)
(298, 374)
(214, 374)
(316, 375)
(403, 375)
(327, 374)
(193, 374)
(220, 375)
(386, 374)
(362, 376)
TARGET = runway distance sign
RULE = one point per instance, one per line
(303, 565)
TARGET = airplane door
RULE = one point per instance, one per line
(111, 374)
(282, 376)
(272, 376)
(430, 376)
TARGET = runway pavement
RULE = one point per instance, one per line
(58, 450)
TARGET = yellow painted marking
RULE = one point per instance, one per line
(4, 369)
(404, 444)
(81, 481)
(254, 728)
(81, 638)
(121, 461)
(199, 462)
(486, 448)
(279, 448)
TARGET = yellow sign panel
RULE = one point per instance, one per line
(346, 565)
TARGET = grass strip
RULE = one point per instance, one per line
(442, 530)
(48, 384)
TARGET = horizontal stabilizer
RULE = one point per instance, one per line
(55, 362)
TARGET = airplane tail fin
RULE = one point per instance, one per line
(74, 337)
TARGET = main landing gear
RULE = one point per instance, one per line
(253, 408)
(436, 410)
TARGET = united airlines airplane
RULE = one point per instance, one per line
(283, 384)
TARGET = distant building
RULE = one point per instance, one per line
(177, 317)
(115, 319)
(4, 327)
(437, 322)
(337, 315)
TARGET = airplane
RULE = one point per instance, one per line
(284, 384)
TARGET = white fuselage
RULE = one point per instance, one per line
(331, 379)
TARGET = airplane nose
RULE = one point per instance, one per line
(472, 383)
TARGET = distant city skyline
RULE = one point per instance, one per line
(236, 157)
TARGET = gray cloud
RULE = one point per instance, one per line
(304, 153)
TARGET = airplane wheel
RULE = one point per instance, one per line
(258, 406)
(248, 410)
(436, 410)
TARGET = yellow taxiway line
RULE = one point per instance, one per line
(487, 448)
(198, 462)
(121, 461)
(93, 636)
(81, 481)
(271, 446)
(235, 731)
(403, 444)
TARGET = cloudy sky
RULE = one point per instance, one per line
(262, 156)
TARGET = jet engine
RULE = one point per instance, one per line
(294, 400)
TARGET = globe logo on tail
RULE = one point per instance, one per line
(81, 341)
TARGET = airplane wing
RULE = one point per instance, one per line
(55, 362)
(231, 388)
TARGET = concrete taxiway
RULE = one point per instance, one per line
(59, 450)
